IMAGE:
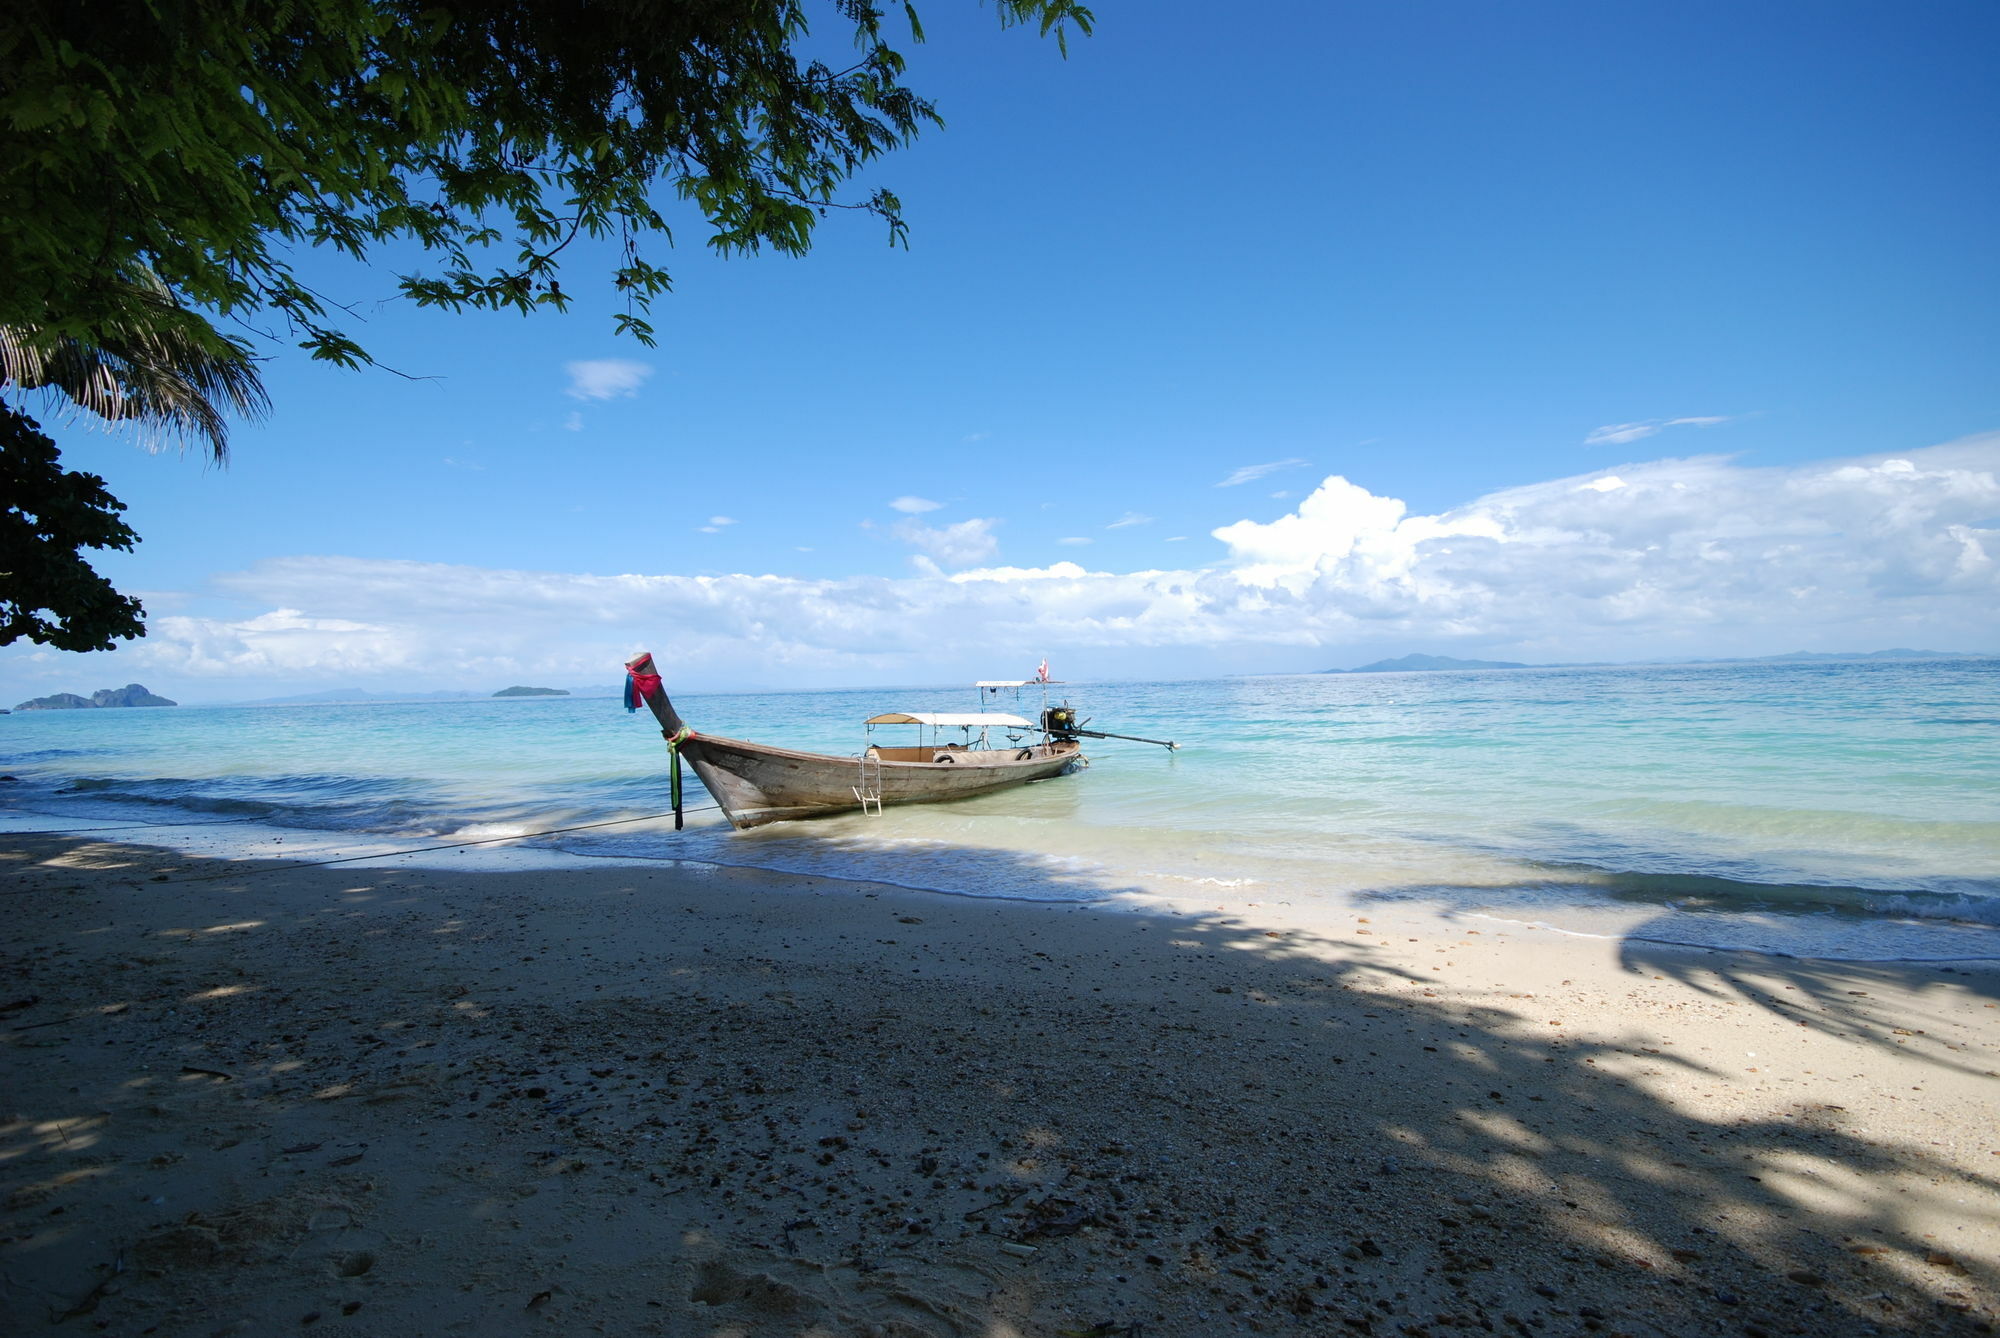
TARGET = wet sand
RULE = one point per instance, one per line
(252, 1098)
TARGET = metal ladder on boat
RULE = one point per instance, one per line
(868, 790)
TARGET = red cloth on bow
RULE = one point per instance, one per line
(639, 688)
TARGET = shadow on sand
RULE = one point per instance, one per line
(721, 1103)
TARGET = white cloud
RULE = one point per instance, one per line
(606, 379)
(914, 506)
(1327, 526)
(1074, 539)
(716, 524)
(1618, 434)
(1129, 518)
(574, 422)
(1688, 556)
(279, 642)
(1251, 473)
(954, 545)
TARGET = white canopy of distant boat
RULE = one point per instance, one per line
(758, 783)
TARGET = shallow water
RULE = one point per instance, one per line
(1824, 809)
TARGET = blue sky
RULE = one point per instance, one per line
(1470, 257)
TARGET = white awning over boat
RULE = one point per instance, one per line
(977, 720)
(1014, 682)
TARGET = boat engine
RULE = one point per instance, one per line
(1061, 723)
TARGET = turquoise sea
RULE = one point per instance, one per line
(1834, 809)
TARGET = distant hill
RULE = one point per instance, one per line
(1421, 663)
(130, 695)
(1409, 663)
(532, 692)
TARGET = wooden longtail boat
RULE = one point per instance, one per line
(756, 783)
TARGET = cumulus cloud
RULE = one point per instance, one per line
(606, 379)
(1655, 552)
(953, 545)
(1074, 539)
(281, 642)
(914, 506)
(1697, 556)
(716, 523)
(1251, 473)
(1619, 434)
(1060, 571)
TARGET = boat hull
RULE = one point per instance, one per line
(758, 784)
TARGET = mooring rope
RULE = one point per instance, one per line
(282, 865)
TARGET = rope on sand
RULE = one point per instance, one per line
(130, 826)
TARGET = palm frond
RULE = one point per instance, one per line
(155, 364)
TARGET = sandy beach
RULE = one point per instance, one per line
(256, 1098)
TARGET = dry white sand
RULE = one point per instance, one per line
(260, 1099)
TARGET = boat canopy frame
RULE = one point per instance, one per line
(989, 689)
(937, 722)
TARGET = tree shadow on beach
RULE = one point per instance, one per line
(710, 1102)
(1897, 1006)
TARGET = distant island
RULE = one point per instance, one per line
(1429, 663)
(130, 695)
(358, 697)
